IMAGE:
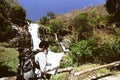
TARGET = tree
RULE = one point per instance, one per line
(17, 15)
(51, 15)
(56, 26)
(113, 8)
(5, 28)
(83, 26)
(44, 20)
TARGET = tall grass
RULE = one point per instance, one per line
(8, 60)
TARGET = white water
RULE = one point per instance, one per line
(56, 38)
(33, 29)
(61, 44)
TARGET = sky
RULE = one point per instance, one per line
(35, 9)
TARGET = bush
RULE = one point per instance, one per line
(81, 52)
(107, 52)
(55, 48)
(66, 62)
(5, 29)
(44, 20)
(82, 24)
(17, 15)
(56, 26)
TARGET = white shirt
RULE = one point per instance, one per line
(41, 59)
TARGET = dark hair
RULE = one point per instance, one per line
(44, 43)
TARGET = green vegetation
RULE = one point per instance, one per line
(83, 26)
(44, 20)
(50, 15)
(56, 26)
(8, 60)
(17, 15)
(5, 28)
(10, 14)
(66, 62)
(113, 8)
(82, 51)
(87, 76)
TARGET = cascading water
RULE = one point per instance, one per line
(33, 29)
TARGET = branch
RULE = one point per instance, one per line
(113, 64)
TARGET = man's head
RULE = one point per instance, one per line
(43, 45)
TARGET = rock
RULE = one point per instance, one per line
(21, 37)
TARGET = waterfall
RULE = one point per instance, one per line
(61, 44)
(33, 29)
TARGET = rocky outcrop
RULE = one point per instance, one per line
(22, 38)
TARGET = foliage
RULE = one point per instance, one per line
(62, 76)
(107, 52)
(5, 28)
(66, 62)
(50, 15)
(8, 57)
(17, 15)
(83, 26)
(44, 20)
(113, 8)
(56, 26)
(90, 51)
(81, 52)
(2, 8)
(55, 48)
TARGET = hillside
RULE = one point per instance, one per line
(70, 15)
(12, 2)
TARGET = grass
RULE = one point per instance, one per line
(8, 57)
(92, 74)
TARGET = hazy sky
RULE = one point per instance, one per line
(35, 9)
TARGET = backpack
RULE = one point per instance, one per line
(26, 62)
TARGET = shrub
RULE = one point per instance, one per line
(66, 62)
(107, 52)
(44, 20)
(55, 48)
(82, 24)
(17, 15)
(56, 26)
(5, 28)
(81, 52)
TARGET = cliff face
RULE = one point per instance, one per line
(12, 23)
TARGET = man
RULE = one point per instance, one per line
(41, 59)
(40, 63)
(47, 61)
